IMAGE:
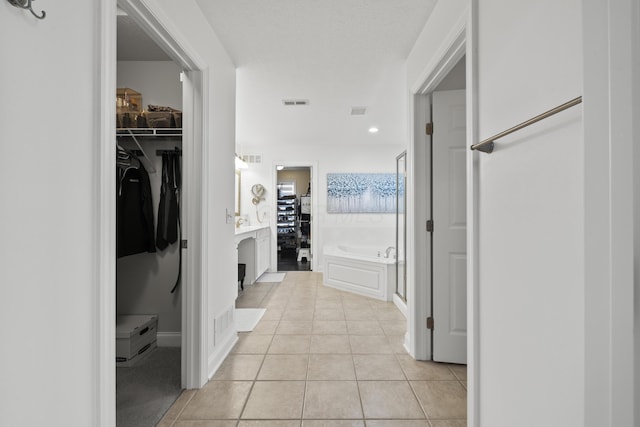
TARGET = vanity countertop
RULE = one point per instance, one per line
(250, 228)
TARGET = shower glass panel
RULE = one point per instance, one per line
(401, 226)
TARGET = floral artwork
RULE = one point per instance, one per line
(361, 192)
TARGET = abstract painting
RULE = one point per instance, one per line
(361, 192)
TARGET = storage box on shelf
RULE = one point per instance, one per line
(136, 337)
(128, 108)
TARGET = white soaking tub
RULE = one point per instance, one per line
(364, 270)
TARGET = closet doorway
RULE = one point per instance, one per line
(294, 218)
(164, 148)
(149, 258)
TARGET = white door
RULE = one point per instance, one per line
(449, 227)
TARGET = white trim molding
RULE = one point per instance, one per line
(104, 216)
(169, 339)
(195, 127)
(460, 41)
(222, 351)
(610, 58)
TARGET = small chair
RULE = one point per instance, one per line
(304, 253)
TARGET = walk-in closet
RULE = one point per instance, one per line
(149, 201)
(293, 218)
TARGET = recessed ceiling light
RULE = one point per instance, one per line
(279, 167)
(373, 129)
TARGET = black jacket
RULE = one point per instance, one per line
(135, 213)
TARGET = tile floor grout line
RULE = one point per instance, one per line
(181, 410)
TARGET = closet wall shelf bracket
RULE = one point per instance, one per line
(26, 5)
(149, 162)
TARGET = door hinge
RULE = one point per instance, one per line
(430, 226)
(429, 128)
(430, 323)
(183, 244)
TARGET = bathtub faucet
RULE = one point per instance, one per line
(389, 249)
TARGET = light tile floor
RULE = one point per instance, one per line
(322, 357)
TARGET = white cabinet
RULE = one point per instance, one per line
(253, 244)
(263, 245)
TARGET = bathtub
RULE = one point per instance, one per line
(362, 270)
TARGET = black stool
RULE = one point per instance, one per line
(242, 270)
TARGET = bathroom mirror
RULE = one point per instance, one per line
(401, 225)
(237, 193)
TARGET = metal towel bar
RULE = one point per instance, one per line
(486, 146)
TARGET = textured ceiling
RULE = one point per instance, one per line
(295, 31)
(336, 53)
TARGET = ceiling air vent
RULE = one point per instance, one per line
(295, 102)
(358, 111)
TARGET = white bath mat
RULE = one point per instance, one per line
(271, 277)
(248, 318)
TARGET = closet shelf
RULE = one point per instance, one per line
(149, 132)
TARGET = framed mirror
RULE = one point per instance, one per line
(237, 193)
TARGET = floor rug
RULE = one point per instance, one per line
(271, 277)
(248, 318)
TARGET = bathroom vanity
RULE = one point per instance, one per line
(254, 249)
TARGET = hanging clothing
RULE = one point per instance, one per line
(169, 230)
(168, 208)
(135, 228)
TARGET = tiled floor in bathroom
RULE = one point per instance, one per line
(321, 357)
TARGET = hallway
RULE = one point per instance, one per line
(322, 357)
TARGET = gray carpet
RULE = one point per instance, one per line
(145, 392)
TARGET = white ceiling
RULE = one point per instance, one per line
(336, 53)
(309, 32)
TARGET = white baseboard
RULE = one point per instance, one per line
(169, 339)
(222, 351)
(402, 306)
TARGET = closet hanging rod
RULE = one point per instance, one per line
(159, 153)
(146, 132)
(486, 146)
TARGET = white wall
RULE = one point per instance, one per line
(531, 216)
(220, 262)
(636, 210)
(157, 81)
(48, 247)
(356, 229)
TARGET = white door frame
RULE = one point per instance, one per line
(195, 131)
(611, 61)
(313, 166)
(450, 53)
(460, 41)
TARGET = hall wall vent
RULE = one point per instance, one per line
(295, 102)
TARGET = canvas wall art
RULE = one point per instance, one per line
(361, 192)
